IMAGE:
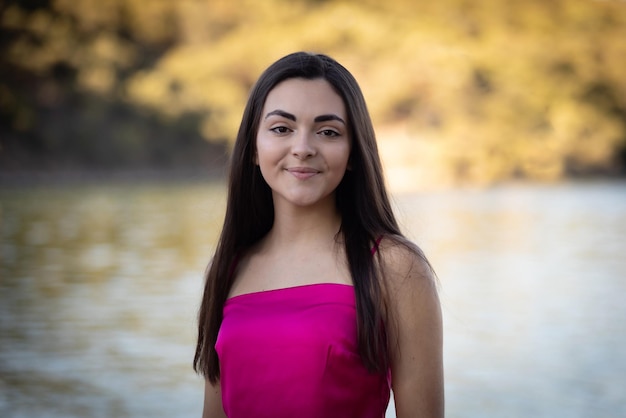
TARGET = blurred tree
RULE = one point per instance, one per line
(63, 99)
(479, 91)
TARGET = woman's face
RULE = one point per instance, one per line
(303, 143)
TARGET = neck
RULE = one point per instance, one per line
(311, 225)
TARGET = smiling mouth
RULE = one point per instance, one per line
(302, 173)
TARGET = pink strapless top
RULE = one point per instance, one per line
(293, 353)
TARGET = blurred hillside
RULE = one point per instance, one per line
(460, 91)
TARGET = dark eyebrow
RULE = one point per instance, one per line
(321, 118)
(282, 113)
(326, 118)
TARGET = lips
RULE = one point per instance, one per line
(302, 173)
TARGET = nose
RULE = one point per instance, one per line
(303, 146)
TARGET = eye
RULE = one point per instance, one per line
(280, 130)
(329, 133)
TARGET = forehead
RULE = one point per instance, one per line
(305, 97)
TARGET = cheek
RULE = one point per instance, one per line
(266, 157)
(261, 152)
(342, 158)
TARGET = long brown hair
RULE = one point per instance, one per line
(361, 199)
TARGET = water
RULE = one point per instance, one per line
(99, 288)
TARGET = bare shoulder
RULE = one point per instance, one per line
(414, 326)
(411, 291)
(404, 266)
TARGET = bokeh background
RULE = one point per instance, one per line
(460, 91)
(502, 127)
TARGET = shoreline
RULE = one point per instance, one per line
(81, 177)
(101, 177)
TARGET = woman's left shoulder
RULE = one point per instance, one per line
(404, 264)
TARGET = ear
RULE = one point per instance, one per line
(256, 158)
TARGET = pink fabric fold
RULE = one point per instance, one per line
(293, 353)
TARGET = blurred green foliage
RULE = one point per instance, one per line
(472, 91)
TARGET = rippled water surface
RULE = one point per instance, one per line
(99, 288)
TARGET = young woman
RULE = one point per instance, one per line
(315, 304)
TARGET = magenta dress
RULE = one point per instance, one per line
(293, 353)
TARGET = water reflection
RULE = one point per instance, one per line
(532, 280)
(99, 291)
(99, 288)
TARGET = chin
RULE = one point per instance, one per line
(306, 200)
